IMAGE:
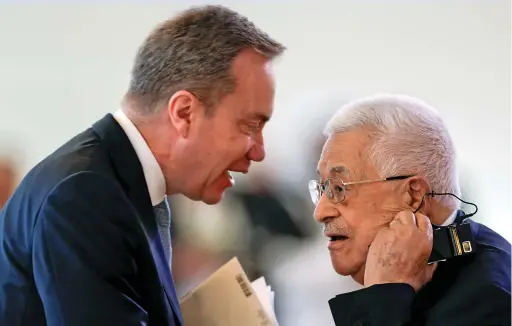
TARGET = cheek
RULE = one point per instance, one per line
(365, 223)
(374, 210)
(229, 150)
(238, 145)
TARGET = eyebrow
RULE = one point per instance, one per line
(339, 169)
(258, 116)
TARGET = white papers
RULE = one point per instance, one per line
(227, 298)
(266, 296)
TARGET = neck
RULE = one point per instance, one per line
(136, 117)
(359, 276)
(160, 136)
(439, 213)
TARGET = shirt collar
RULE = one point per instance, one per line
(153, 174)
(450, 218)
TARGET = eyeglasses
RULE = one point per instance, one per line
(336, 189)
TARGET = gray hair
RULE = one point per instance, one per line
(194, 51)
(410, 138)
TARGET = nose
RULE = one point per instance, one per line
(325, 210)
(257, 150)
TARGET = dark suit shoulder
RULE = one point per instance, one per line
(486, 237)
(489, 266)
(472, 290)
(492, 260)
(84, 152)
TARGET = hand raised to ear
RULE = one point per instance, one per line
(399, 253)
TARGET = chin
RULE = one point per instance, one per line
(341, 269)
(211, 198)
(345, 267)
(211, 201)
(207, 199)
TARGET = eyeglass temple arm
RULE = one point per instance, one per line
(399, 177)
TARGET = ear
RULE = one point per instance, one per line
(183, 108)
(414, 192)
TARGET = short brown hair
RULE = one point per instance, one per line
(194, 51)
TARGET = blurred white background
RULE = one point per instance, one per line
(62, 66)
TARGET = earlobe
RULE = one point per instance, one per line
(180, 109)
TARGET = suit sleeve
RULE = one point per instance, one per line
(378, 305)
(83, 255)
(390, 304)
(486, 305)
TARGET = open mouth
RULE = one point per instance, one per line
(229, 175)
(338, 238)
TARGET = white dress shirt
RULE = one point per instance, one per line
(450, 219)
(152, 172)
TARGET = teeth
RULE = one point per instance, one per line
(230, 175)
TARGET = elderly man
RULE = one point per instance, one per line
(384, 157)
(85, 239)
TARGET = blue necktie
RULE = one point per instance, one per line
(163, 221)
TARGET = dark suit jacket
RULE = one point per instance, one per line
(467, 290)
(79, 244)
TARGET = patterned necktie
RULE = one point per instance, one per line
(163, 221)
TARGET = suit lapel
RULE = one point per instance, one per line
(128, 166)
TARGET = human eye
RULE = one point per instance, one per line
(255, 126)
(338, 186)
(251, 127)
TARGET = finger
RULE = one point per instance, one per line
(406, 218)
(423, 223)
(381, 235)
(393, 222)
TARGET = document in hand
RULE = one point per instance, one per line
(227, 298)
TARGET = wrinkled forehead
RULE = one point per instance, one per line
(342, 154)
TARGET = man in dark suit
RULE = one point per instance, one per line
(386, 160)
(85, 238)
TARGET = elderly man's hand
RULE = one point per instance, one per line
(399, 253)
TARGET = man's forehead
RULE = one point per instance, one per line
(339, 154)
